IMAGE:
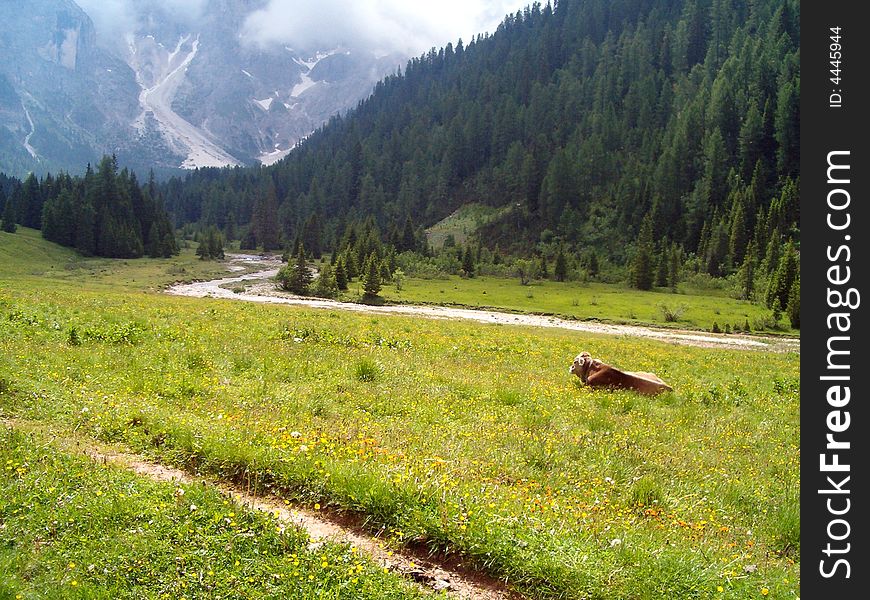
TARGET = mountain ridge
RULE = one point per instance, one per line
(170, 93)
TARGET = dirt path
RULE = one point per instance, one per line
(429, 573)
(258, 288)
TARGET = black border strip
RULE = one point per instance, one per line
(834, 256)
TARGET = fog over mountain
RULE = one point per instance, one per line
(192, 83)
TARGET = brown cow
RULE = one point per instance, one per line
(593, 372)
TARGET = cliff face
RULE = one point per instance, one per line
(63, 100)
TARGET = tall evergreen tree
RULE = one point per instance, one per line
(372, 277)
(642, 273)
(794, 304)
(341, 275)
(265, 220)
(468, 262)
(8, 220)
(296, 277)
(560, 269)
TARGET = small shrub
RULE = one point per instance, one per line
(366, 370)
(73, 338)
(672, 315)
(715, 328)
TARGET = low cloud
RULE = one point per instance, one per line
(388, 25)
(115, 18)
(410, 28)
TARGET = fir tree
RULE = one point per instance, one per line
(642, 266)
(341, 275)
(784, 277)
(326, 286)
(746, 274)
(794, 304)
(674, 264)
(372, 277)
(592, 264)
(543, 268)
(409, 237)
(560, 269)
(9, 225)
(296, 277)
(265, 220)
(468, 262)
(155, 249)
(662, 269)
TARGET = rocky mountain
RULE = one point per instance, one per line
(163, 89)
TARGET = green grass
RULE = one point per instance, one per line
(471, 439)
(461, 224)
(606, 302)
(72, 528)
(25, 254)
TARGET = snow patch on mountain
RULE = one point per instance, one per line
(270, 158)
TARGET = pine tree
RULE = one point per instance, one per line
(662, 268)
(216, 244)
(674, 264)
(326, 286)
(350, 264)
(265, 222)
(155, 249)
(8, 219)
(231, 229)
(340, 275)
(543, 268)
(746, 274)
(642, 266)
(468, 262)
(784, 277)
(592, 264)
(794, 304)
(372, 277)
(560, 269)
(296, 277)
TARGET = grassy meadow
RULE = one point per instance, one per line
(574, 300)
(73, 528)
(469, 439)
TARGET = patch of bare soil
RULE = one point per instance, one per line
(447, 575)
(258, 288)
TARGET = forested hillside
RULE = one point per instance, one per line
(586, 118)
(646, 138)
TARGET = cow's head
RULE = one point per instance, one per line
(581, 365)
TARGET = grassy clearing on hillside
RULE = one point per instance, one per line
(468, 438)
(70, 528)
(461, 224)
(607, 302)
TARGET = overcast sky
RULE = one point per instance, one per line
(407, 26)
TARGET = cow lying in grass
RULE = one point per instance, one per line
(595, 373)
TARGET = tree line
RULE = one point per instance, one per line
(103, 213)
